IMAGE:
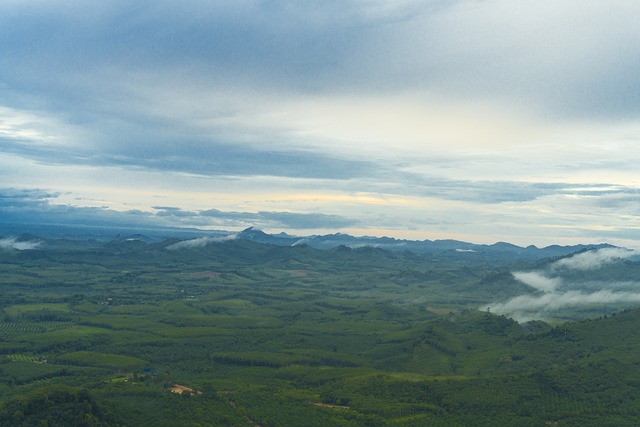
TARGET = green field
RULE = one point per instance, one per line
(291, 336)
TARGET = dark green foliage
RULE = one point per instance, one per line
(57, 407)
(257, 334)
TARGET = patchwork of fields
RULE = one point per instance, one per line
(101, 334)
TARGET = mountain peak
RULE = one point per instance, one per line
(445, 246)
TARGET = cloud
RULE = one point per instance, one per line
(283, 50)
(41, 207)
(538, 280)
(529, 307)
(564, 59)
(21, 245)
(289, 220)
(201, 242)
(13, 198)
(473, 111)
(562, 289)
(591, 260)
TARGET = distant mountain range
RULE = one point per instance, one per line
(447, 247)
(435, 247)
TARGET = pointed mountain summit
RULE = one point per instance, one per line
(259, 236)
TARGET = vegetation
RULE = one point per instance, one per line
(239, 333)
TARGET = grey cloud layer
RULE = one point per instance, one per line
(577, 56)
(38, 207)
(290, 220)
(196, 87)
(92, 64)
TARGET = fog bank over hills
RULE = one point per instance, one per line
(588, 279)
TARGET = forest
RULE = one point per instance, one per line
(233, 332)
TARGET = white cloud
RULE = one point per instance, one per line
(538, 280)
(28, 127)
(13, 243)
(529, 307)
(591, 260)
(200, 242)
(562, 291)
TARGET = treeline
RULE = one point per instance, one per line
(58, 406)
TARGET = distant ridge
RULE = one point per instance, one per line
(445, 247)
(433, 247)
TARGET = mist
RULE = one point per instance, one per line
(200, 242)
(592, 260)
(13, 243)
(557, 287)
(538, 280)
(529, 307)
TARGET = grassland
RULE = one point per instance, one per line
(280, 336)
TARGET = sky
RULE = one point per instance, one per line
(481, 121)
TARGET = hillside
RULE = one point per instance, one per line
(450, 248)
(295, 335)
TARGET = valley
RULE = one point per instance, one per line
(107, 332)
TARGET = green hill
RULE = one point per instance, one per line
(249, 332)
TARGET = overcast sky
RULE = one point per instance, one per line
(485, 121)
